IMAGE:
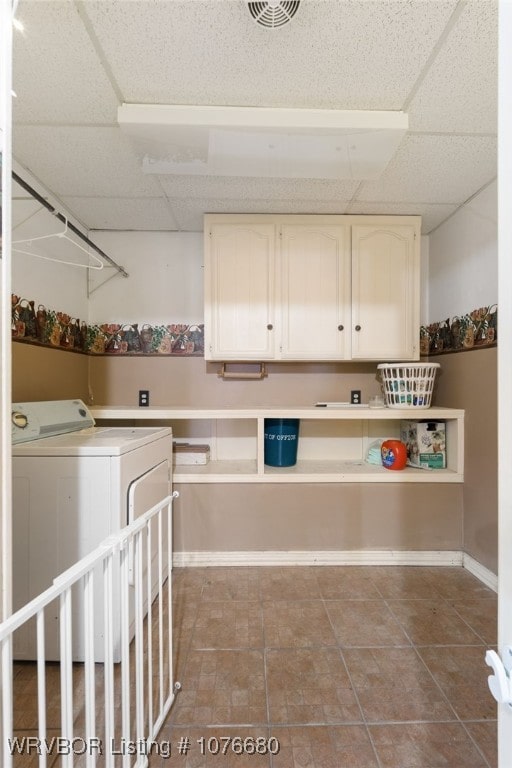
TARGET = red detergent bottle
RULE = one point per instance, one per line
(393, 454)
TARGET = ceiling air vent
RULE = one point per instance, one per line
(273, 13)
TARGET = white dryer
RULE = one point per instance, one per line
(74, 485)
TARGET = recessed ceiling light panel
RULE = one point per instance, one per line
(262, 141)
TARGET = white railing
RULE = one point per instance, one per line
(110, 713)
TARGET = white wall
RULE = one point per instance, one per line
(169, 265)
(165, 282)
(5, 300)
(463, 259)
(60, 288)
(56, 285)
(424, 286)
(505, 366)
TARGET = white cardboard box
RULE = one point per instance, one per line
(426, 443)
(189, 453)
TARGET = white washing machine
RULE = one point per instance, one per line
(74, 484)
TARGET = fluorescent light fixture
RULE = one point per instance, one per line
(263, 141)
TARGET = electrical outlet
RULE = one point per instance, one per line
(355, 396)
(143, 397)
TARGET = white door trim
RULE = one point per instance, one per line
(504, 362)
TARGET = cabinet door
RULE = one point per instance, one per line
(239, 291)
(315, 292)
(385, 292)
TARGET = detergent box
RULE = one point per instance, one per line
(426, 443)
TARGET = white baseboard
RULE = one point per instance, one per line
(348, 557)
(480, 571)
(335, 557)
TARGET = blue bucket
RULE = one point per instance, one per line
(281, 442)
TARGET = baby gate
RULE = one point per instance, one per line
(110, 714)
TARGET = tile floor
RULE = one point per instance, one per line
(327, 667)
(339, 667)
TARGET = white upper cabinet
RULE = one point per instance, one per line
(291, 287)
(385, 291)
(315, 291)
(239, 291)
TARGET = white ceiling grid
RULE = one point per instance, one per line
(78, 60)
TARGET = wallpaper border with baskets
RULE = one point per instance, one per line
(461, 333)
(36, 324)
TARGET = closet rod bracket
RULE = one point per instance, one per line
(90, 291)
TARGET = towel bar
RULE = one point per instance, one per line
(225, 374)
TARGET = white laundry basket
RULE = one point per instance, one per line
(408, 386)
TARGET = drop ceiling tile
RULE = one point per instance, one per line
(485, 207)
(459, 92)
(29, 216)
(83, 161)
(18, 192)
(355, 54)
(235, 187)
(23, 209)
(432, 215)
(435, 169)
(140, 213)
(364, 54)
(57, 74)
(189, 212)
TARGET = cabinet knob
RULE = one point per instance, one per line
(340, 327)
(269, 327)
(358, 327)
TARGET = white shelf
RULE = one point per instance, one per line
(357, 413)
(309, 472)
(354, 472)
(332, 442)
(231, 471)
